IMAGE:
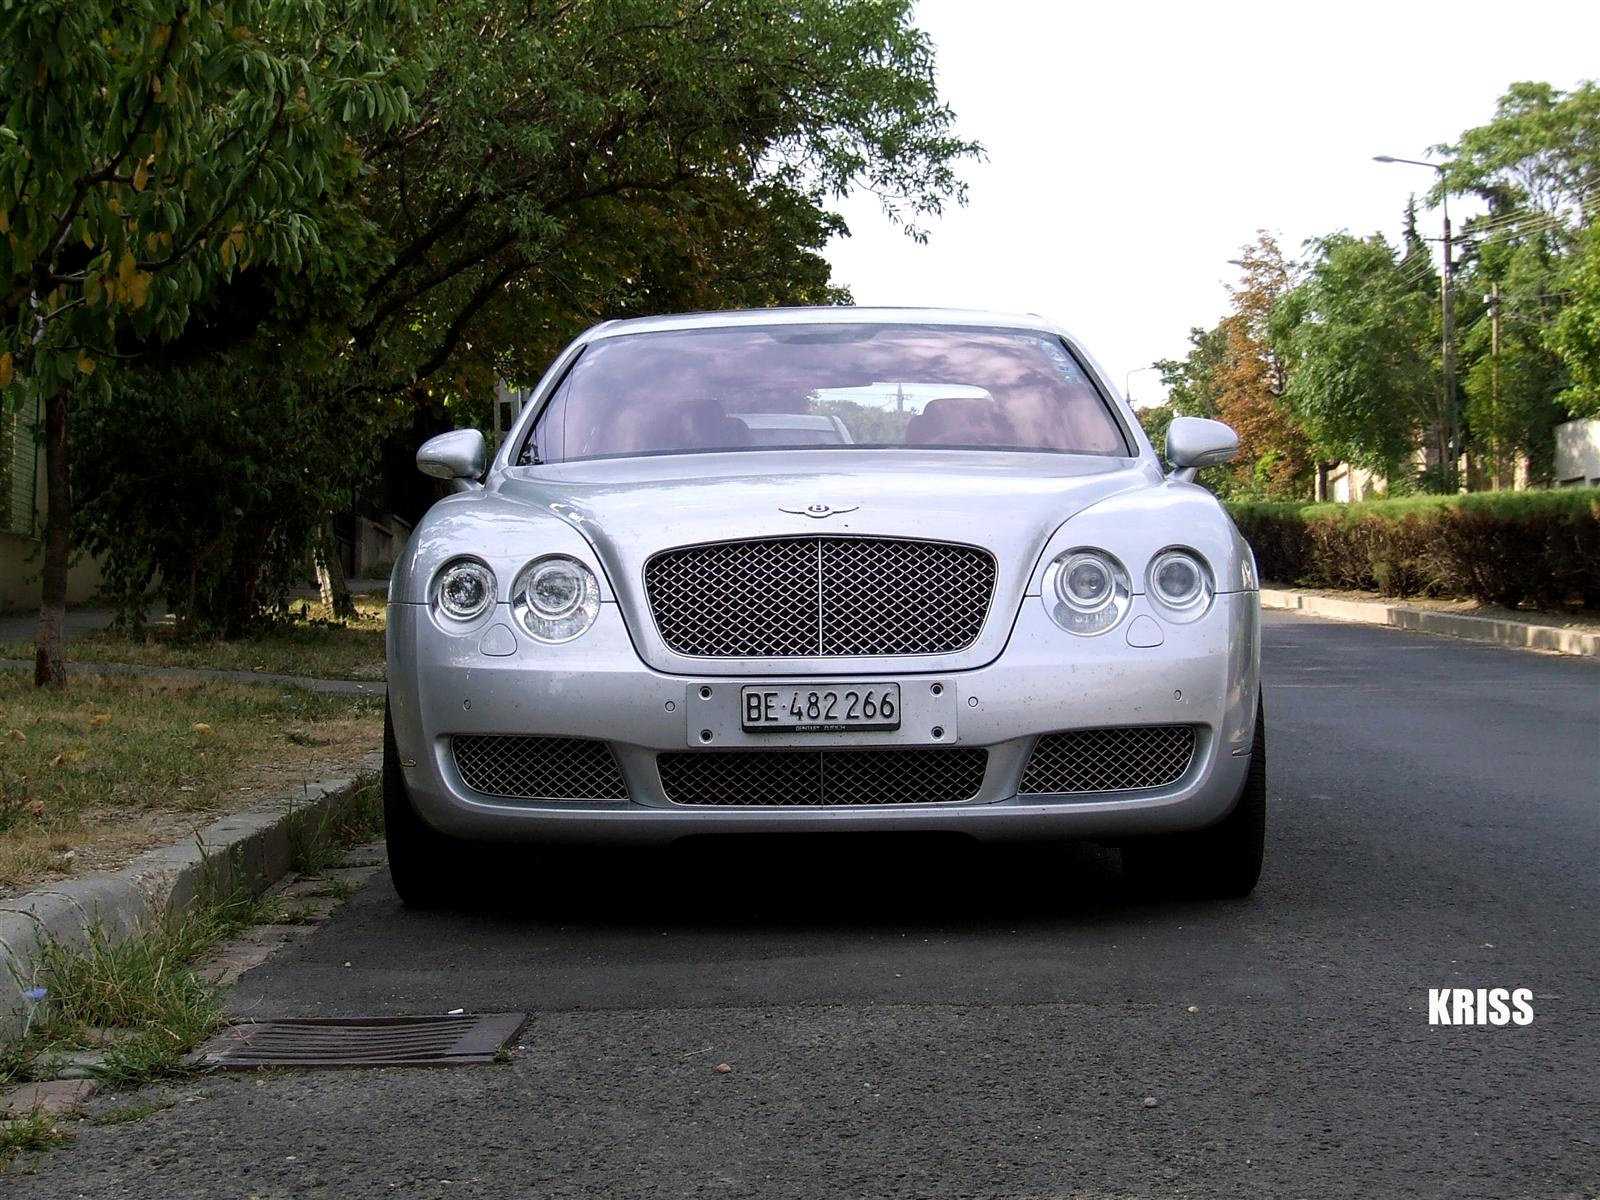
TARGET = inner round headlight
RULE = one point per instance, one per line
(1086, 583)
(1091, 588)
(555, 598)
(463, 590)
(1181, 583)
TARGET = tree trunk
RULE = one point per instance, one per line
(330, 576)
(49, 662)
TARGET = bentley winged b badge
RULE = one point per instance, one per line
(820, 510)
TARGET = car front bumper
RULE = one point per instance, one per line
(445, 684)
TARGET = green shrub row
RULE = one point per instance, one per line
(1506, 548)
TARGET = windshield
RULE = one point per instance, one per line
(824, 386)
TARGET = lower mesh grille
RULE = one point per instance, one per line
(826, 778)
(538, 768)
(1110, 760)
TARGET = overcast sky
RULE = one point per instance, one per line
(1133, 148)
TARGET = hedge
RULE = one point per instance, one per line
(1506, 548)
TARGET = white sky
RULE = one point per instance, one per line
(1134, 148)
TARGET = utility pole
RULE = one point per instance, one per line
(1494, 383)
(1453, 478)
(1450, 417)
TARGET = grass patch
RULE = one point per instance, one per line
(145, 989)
(320, 649)
(101, 760)
(134, 1112)
(32, 1131)
(319, 838)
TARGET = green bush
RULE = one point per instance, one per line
(1507, 548)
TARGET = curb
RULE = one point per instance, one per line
(1519, 635)
(252, 848)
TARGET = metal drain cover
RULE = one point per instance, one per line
(320, 1042)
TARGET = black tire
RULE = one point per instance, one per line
(1222, 861)
(425, 865)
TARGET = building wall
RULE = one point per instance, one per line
(1578, 453)
(22, 497)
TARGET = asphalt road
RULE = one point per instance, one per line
(915, 1021)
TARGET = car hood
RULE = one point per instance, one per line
(1008, 503)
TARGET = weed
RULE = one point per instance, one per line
(140, 982)
(280, 912)
(33, 1130)
(318, 841)
(134, 1112)
(334, 889)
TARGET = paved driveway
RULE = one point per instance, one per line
(926, 1021)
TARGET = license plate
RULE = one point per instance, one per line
(831, 708)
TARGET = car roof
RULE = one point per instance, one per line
(835, 315)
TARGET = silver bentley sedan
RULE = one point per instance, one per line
(827, 569)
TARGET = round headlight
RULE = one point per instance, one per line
(1181, 583)
(463, 590)
(555, 598)
(1091, 589)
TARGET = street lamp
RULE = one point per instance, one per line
(1452, 414)
(1127, 382)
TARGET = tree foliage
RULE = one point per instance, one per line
(1537, 167)
(1355, 332)
(1575, 333)
(1235, 373)
(625, 156)
(383, 205)
(151, 149)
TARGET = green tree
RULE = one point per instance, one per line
(148, 150)
(611, 158)
(565, 162)
(1537, 167)
(1575, 334)
(1192, 382)
(1234, 373)
(1354, 331)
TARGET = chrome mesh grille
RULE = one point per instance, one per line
(1109, 760)
(823, 778)
(538, 768)
(822, 597)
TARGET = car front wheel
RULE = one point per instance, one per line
(425, 865)
(1222, 861)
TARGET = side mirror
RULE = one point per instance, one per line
(1195, 442)
(459, 454)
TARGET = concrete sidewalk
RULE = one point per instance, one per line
(1499, 631)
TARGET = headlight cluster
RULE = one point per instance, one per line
(1092, 590)
(463, 590)
(1089, 591)
(553, 598)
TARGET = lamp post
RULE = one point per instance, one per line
(1452, 414)
(1127, 382)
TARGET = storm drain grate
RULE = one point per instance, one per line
(322, 1042)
